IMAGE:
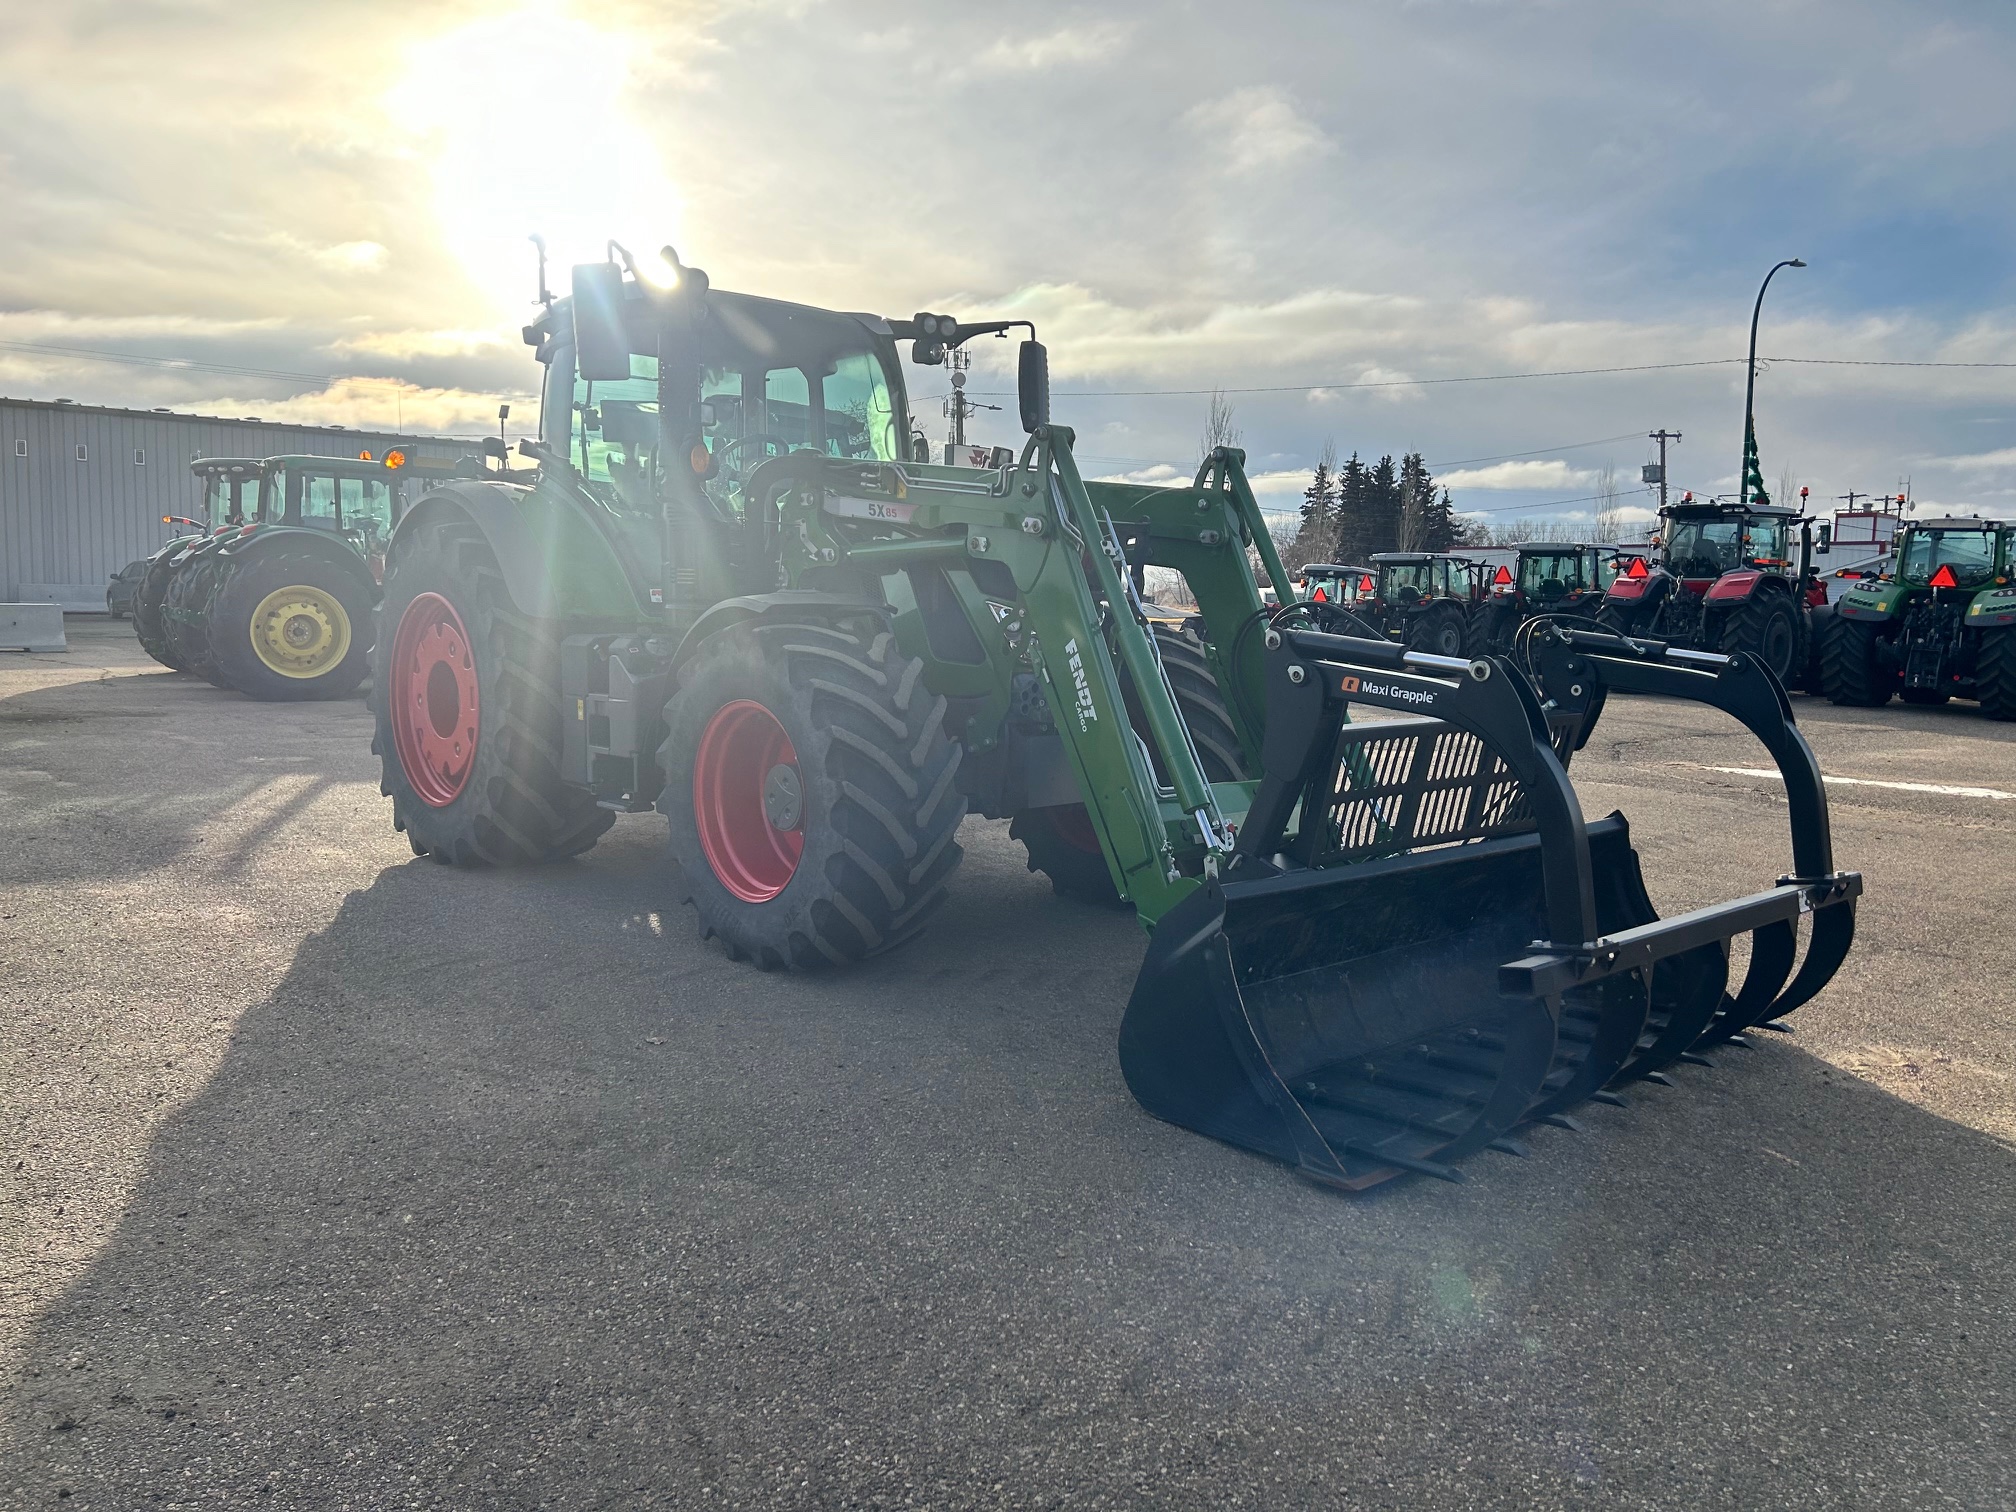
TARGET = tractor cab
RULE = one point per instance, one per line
(230, 490)
(1554, 575)
(1337, 583)
(1406, 579)
(1702, 542)
(1953, 554)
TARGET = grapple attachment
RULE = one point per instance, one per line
(1420, 944)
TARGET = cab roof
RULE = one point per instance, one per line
(747, 325)
(1956, 522)
(1331, 569)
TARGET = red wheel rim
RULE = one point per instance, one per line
(748, 801)
(434, 701)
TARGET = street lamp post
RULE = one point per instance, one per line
(1750, 387)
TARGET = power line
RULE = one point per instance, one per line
(1537, 452)
(1872, 362)
(1305, 388)
(1554, 503)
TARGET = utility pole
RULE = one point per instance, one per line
(1662, 436)
(958, 406)
(1850, 497)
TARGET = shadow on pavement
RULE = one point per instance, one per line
(513, 1195)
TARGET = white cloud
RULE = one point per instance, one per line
(1257, 127)
(1066, 45)
(1553, 475)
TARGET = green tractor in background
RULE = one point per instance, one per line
(278, 599)
(735, 595)
(230, 488)
(1550, 577)
(1941, 625)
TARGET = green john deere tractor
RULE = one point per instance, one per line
(230, 497)
(1941, 625)
(278, 599)
(735, 595)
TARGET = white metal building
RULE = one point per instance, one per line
(83, 488)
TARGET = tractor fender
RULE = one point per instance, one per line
(271, 537)
(554, 563)
(785, 606)
(1743, 583)
(1873, 601)
(1992, 609)
(1636, 594)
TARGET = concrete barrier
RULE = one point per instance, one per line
(31, 627)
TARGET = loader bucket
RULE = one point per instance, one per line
(1419, 943)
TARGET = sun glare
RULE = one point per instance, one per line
(522, 120)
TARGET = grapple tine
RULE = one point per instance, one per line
(1772, 951)
(1833, 934)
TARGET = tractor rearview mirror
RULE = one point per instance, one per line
(493, 446)
(601, 343)
(1032, 384)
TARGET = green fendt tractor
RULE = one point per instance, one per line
(1941, 625)
(736, 596)
(278, 599)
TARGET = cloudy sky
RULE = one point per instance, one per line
(1330, 209)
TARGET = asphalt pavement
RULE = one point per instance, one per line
(330, 1177)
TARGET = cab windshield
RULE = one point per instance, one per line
(1709, 548)
(1335, 588)
(1970, 553)
(1552, 574)
(1406, 581)
(748, 416)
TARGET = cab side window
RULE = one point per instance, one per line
(317, 502)
(367, 508)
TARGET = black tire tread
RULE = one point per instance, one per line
(240, 669)
(879, 738)
(1995, 673)
(1743, 630)
(1849, 675)
(516, 810)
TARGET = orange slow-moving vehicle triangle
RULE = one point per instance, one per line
(1636, 569)
(1944, 578)
(1504, 575)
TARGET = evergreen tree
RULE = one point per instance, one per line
(1417, 499)
(1382, 506)
(1319, 513)
(1353, 541)
(1440, 529)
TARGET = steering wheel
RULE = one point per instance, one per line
(763, 438)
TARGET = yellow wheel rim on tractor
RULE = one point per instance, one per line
(301, 631)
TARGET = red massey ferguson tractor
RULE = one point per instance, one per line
(1725, 577)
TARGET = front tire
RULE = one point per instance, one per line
(1851, 670)
(1767, 628)
(810, 794)
(290, 625)
(466, 690)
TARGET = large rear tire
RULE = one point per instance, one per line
(1851, 672)
(1768, 628)
(1613, 619)
(149, 627)
(1062, 843)
(1440, 631)
(810, 794)
(291, 624)
(466, 690)
(1995, 674)
(185, 608)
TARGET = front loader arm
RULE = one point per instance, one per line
(1077, 623)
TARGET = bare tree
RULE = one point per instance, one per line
(1787, 487)
(1609, 517)
(1220, 429)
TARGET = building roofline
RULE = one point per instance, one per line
(70, 407)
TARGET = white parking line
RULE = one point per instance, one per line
(1902, 787)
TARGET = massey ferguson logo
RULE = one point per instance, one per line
(1418, 697)
(1081, 689)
